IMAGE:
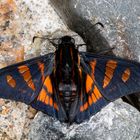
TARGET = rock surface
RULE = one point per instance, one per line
(120, 18)
(117, 121)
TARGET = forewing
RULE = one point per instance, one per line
(31, 82)
(107, 78)
(23, 81)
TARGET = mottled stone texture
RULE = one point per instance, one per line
(117, 121)
(120, 18)
(73, 16)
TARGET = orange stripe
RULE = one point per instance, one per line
(41, 67)
(81, 108)
(126, 75)
(80, 73)
(110, 68)
(78, 60)
(90, 100)
(97, 92)
(11, 81)
(109, 72)
(93, 65)
(42, 95)
(51, 101)
(106, 81)
(48, 84)
(71, 53)
(94, 99)
(31, 85)
(86, 106)
(47, 100)
(25, 71)
(89, 83)
(112, 64)
(27, 76)
(56, 106)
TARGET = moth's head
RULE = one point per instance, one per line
(66, 40)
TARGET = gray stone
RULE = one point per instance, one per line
(120, 18)
(117, 121)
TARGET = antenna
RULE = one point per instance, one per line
(98, 23)
(50, 40)
(54, 44)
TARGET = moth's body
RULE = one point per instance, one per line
(70, 85)
(67, 78)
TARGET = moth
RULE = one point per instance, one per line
(70, 85)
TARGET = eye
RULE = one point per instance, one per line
(59, 41)
(72, 40)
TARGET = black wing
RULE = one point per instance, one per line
(105, 79)
(31, 82)
(23, 81)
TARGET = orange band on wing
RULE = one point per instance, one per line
(41, 67)
(47, 100)
(23, 68)
(48, 84)
(90, 100)
(126, 75)
(11, 81)
(95, 96)
(42, 95)
(56, 106)
(78, 59)
(84, 107)
(97, 92)
(51, 101)
(25, 72)
(112, 64)
(81, 108)
(93, 65)
(89, 83)
(110, 68)
(94, 99)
